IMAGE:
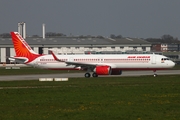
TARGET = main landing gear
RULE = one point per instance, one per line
(87, 75)
(94, 75)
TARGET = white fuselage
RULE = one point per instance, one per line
(115, 61)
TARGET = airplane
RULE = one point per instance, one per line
(98, 64)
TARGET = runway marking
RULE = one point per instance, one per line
(27, 87)
(34, 87)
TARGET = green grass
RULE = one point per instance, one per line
(124, 98)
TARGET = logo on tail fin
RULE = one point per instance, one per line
(22, 49)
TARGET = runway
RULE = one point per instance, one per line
(78, 75)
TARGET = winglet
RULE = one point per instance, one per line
(55, 57)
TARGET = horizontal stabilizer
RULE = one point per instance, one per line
(21, 60)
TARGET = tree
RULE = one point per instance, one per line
(119, 36)
(35, 36)
(5, 35)
(53, 34)
(167, 37)
(114, 36)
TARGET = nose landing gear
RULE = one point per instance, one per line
(155, 75)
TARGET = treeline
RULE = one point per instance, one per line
(115, 36)
(163, 39)
(5, 35)
(48, 34)
(53, 34)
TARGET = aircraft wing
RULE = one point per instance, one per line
(18, 59)
(78, 64)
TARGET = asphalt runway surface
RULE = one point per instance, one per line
(78, 75)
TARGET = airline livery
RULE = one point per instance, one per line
(96, 64)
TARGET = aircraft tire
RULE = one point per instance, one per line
(94, 75)
(87, 75)
(155, 75)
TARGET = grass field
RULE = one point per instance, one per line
(124, 98)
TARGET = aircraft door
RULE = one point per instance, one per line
(71, 59)
(36, 63)
(153, 61)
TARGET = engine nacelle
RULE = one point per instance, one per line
(116, 72)
(102, 70)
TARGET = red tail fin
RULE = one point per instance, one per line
(22, 49)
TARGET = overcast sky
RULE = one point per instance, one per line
(129, 18)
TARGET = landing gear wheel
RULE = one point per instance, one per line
(87, 75)
(155, 75)
(94, 75)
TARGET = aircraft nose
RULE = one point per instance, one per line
(173, 64)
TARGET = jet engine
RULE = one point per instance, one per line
(102, 70)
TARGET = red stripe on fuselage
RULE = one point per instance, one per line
(133, 69)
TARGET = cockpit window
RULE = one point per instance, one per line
(163, 59)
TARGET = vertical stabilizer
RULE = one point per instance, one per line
(22, 49)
